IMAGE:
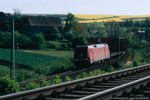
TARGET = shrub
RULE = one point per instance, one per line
(38, 41)
(56, 80)
(136, 63)
(41, 70)
(67, 78)
(53, 34)
(78, 77)
(78, 40)
(63, 46)
(24, 75)
(57, 45)
(62, 64)
(44, 83)
(84, 75)
(32, 85)
(22, 40)
(53, 44)
(4, 72)
(8, 86)
(5, 38)
(91, 73)
(111, 69)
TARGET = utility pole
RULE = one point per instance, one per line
(145, 43)
(12, 69)
(119, 41)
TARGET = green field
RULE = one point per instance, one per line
(38, 60)
(55, 53)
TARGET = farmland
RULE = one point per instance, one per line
(107, 18)
(51, 52)
(98, 19)
(40, 61)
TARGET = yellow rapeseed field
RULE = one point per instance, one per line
(107, 18)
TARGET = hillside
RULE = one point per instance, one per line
(107, 18)
(87, 18)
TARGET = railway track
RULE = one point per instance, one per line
(83, 88)
(72, 73)
(136, 90)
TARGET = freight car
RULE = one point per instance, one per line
(115, 44)
(89, 55)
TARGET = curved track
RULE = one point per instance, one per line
(79, 89)
(72, 73)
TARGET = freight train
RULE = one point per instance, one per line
(89, 55)
(115, 44)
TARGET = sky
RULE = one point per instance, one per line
(98, 7)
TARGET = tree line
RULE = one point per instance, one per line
(74, 34)
(71, 36)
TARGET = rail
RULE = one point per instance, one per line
(47, 92)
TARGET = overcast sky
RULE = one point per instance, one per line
(104, 7)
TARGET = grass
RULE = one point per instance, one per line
(26, 58)
(55, 53)
(2, 68)
(39, 60)
(4, 71)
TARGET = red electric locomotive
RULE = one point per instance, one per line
(86, 56)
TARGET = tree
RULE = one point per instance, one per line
(55, 34)
(38, 41)
(5, 38)
(82, 29)
(68, 36)
(78, 40)
(22, 41)
(74, 31)
(8, 86)
(147, 22)
(17, 12)
(71, 23)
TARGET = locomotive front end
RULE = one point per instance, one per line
(81, 56)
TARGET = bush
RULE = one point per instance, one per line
(53, 44)
(56, 80)
(4, 71)
(57, 45)
(84, 75)
(8, 86)
(24, 75)
(32, 85)
(63, 46)
(67, 78)
(62, 64)
(22, 40)
(111, 69)
(78, 40)
(38, 41)
(5, 38)
(53, 34)
(44, 83)
(136, 63)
